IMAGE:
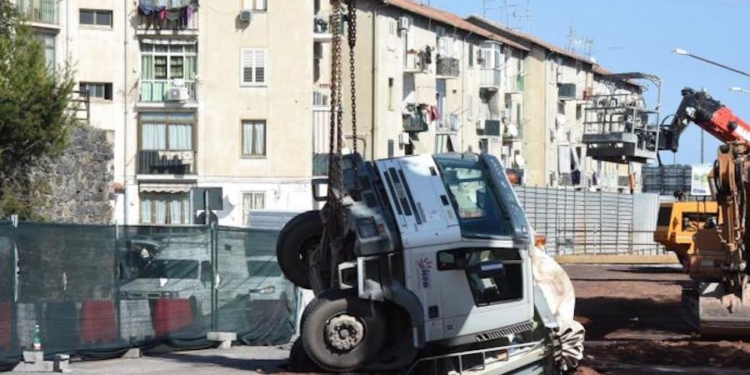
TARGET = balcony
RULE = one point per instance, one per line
(165, 90)
(39, 11)
(415, 62)
(490, 78)
(448, 67)
(166, 162)
(322, 31)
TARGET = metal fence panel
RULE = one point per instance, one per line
(584, 222)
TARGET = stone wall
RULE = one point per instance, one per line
(76, 186)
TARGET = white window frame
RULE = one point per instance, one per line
(97, 85)
(255, 5)
(254, 68)
(265, 139)
(252, 196)
(95, 13)
(170, 197)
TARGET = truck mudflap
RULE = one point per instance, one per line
(554, 301)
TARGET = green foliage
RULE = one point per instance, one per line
(35, 119)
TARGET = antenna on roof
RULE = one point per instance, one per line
(579, 44)
(515, 14)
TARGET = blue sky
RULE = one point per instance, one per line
(639, 35)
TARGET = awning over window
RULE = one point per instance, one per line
(176, 188)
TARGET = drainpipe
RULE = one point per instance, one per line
(375, 69)
(465, 72)
(125, 112)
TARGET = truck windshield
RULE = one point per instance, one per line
(474, 198)
(170, 269)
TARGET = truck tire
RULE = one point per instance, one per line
(342, 333)
(299, 235)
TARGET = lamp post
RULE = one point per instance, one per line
(683, 52)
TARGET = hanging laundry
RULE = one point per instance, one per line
(149, 9)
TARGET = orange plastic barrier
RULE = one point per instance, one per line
(170, 315)
(5, 325)
(98, 322)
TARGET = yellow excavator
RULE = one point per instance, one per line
(679, 221)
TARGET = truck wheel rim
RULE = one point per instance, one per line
(344, 332)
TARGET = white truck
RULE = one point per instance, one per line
(436, 271)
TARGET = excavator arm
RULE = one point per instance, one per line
(709, 114)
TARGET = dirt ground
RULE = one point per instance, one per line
(634, 325)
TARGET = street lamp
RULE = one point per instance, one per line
(683, 52)
(739, 89)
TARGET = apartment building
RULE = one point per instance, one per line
(557, 87)
(429, 81)
(209, 94)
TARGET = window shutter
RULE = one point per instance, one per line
(260, 66)
(247, 65)
(260, 4)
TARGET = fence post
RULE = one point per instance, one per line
(118, 280)
(215, 270)
(15, 285)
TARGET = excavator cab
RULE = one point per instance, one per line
(618, 126)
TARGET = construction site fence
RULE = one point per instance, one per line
(580, 222)
(98, 291)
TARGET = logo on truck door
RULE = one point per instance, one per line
(425, 267)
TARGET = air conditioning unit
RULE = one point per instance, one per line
(178, 94)
(404, 23)
(246, 15)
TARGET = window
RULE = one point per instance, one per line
(97, 90)
(255, 5)
(253, 66)
(48, 43)
(443, 144)
(95, 17)
(167, 131)
(252, 200)
(170, 269)
(163, 62)
(253, 138)
(165, 208)
(494, 275)
(474, 198)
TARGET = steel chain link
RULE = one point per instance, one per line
(352, 74)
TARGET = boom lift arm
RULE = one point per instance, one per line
(709, 114)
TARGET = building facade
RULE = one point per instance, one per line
(216, 94)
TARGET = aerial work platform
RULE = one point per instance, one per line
(619, 127)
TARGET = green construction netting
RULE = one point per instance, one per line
(97, 291)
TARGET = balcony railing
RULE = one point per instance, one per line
(166, 162)
(322, 27)
(490, 78)
(159, 90)
(40, 11)
(448, 67)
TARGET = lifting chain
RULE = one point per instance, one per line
(352, 18)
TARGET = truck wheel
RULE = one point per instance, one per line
(298, 237)
(342, 333)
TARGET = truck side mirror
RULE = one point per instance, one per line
(320, 189)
